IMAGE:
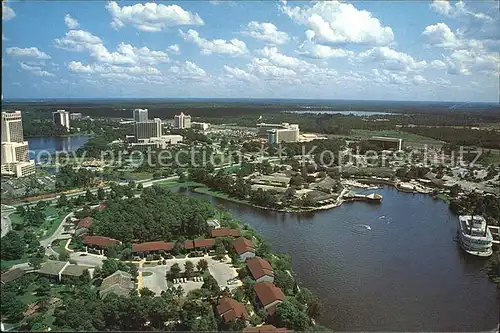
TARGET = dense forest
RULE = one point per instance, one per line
(157, 214)
(459, 136)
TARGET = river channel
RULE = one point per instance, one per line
(403, 273)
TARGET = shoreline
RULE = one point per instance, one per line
(221, 195)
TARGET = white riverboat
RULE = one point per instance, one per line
(474, 236)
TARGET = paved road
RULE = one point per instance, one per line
(87, 259)
(6, 223)
(46, 242)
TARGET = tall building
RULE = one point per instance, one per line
(148, 129)
(182, 121)
(15, 155)
(75, 116)
(288, 134)
(263, 128)
(61, 117)
(12, 127)
(140, 115)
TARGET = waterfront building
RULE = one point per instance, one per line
(148, 129)
(14, 155)
(269, 295)
(244, 248)
(75, 116)
(140, 115)
(161, 142)
(61, 117)
(260, 269)
(230, 309)
(474, 235)
(182, 121)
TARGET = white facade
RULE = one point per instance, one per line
(290, 133)
(200, 126)
(249, 254)
(474, 236)
(182, 121)
(61, 117)
(148, 129)
(12, 127)
(75, 116)
(14, 151)
(140, 115)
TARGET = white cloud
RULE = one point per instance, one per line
(267, 32)
(336, 22)
(77, 40)
(35, 70)
(465, 62)
(441, 6)
(151, 17)
(29, 52)
(3, 37)
(438, 64)
(78, 67)
(240, 74)
(187, 70)
(318, 51)
(234, 47)
(70, 22)
(80, 41)
(265, 69)
(280, 59)
(419, 79)
(440, 35)
(7, 12)
(391, 59)
(175, 49)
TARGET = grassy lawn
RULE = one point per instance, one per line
(7, 264)
(137, 175)
(49, 226)
(59, 245)
(405, 136)
(147, 273)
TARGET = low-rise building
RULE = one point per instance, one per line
(269, 295)
(260, 269)
(244, 248)
(200, 126)
(204, 244)
(119, 283)
(265, 328)
(151, 247)
(57, 270)
(225, 232)
(99, 243)
(230, 309)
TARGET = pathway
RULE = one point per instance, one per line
(6, 223)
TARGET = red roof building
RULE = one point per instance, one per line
(152, 246)
(260, 269)
(204, 243)
(85, 223)
(231, 309)
(101, 206)
(189, 244)
(269, 295)
(225, 232)
(243, 246)
(100, 241)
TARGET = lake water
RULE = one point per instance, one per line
(41, 146)
(352, 113)
(405, 274)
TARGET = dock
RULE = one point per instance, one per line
(372, 197)
(495, 232)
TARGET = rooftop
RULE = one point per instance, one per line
(265, 328)
(268, 293)
(85, 222)
(223, 232)
(242, 245)
(259, 267)
(52, 267)
(119, 283)
(74, 270)
(209, 242)
(100, 241)
(152, 246)
(231, 309)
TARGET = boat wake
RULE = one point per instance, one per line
(361, 228)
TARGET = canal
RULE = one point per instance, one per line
(391, 267)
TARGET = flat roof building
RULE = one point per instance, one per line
(61, 117)
(14, 150)
(148, 129)
(140, 115)
(182, 121)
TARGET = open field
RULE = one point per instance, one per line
(405, 136)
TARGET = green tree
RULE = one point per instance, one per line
(109, 266)
(188, 268)
(12, 246)
(89, 196)
(211, 284)
(202, 265)
(175, 270)
(12, 307)
(220, 251)
(139, 186)
(35, 262)
(289, 315)
(101, 195)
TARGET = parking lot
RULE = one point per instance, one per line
(157, 281)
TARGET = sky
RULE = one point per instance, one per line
(366, 50)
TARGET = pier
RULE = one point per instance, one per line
(495, 231)
(373, 197)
